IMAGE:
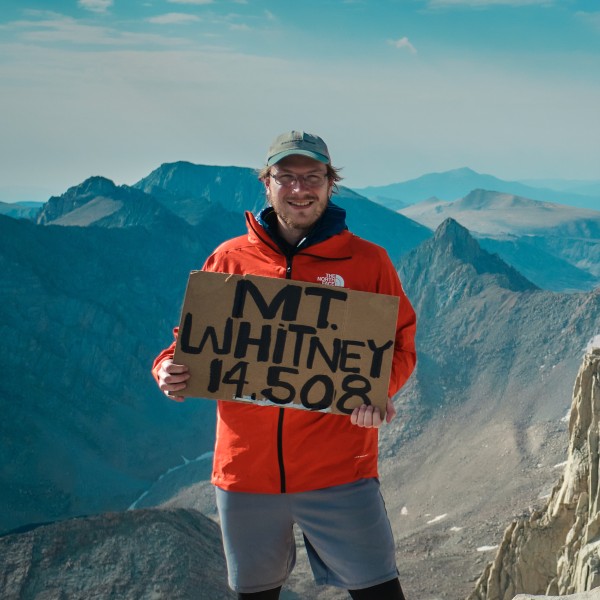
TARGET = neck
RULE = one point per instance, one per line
(292, 235)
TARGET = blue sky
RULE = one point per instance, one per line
(397, 88)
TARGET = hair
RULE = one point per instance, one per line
(333, 174)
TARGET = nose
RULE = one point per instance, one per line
(299, 183)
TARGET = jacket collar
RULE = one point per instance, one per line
(329, 238)
(332, 222)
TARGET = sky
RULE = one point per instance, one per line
(397, 88)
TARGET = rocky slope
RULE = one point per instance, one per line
(556, 550)
(136, 555)
(85, 309)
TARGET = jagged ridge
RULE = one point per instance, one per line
(556, 550)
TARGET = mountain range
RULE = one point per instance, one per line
(91, 288)
(454, 184)
(554, 245)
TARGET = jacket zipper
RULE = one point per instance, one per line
(288, 275)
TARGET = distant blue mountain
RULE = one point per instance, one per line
(20, 210)
(457, 183)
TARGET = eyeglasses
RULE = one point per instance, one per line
(312, 180)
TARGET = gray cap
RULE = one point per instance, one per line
(298, 142)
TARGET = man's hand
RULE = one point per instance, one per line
(172, 378)
(369, 416)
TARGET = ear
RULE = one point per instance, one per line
(267, 190)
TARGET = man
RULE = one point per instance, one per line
(275, 466)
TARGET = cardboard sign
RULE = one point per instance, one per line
(285, 342)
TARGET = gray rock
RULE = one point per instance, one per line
(142, 554)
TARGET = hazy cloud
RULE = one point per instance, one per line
(98, 6)
(173, 18)
(52, 28)
(592, 18)
(404, 43)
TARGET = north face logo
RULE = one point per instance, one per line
(331, 279)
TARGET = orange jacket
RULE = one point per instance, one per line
(266, 449)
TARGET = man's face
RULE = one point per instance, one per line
(298, 205)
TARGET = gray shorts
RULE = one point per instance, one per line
(346, 531)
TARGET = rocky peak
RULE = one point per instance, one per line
(455, 242)
(76, 197)
(99, 202)
(451, 235)
(452, 264)
(191, 191)
(93, 186)
(555, 551)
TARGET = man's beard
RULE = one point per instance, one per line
(293, 223)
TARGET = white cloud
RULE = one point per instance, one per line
(98, 6)
(198, 2)
(53, 28)
(173, 18)
(404, 43)
(239, 27)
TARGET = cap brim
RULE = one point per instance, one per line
(280, 155)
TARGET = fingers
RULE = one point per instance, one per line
(170, 367)
(172, 378)
(366, 416)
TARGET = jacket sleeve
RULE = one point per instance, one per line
(405, 356)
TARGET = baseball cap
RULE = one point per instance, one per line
(298, 142)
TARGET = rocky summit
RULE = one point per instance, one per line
(142, 554)
(557, 550)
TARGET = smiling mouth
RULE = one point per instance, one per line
(301, 203)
